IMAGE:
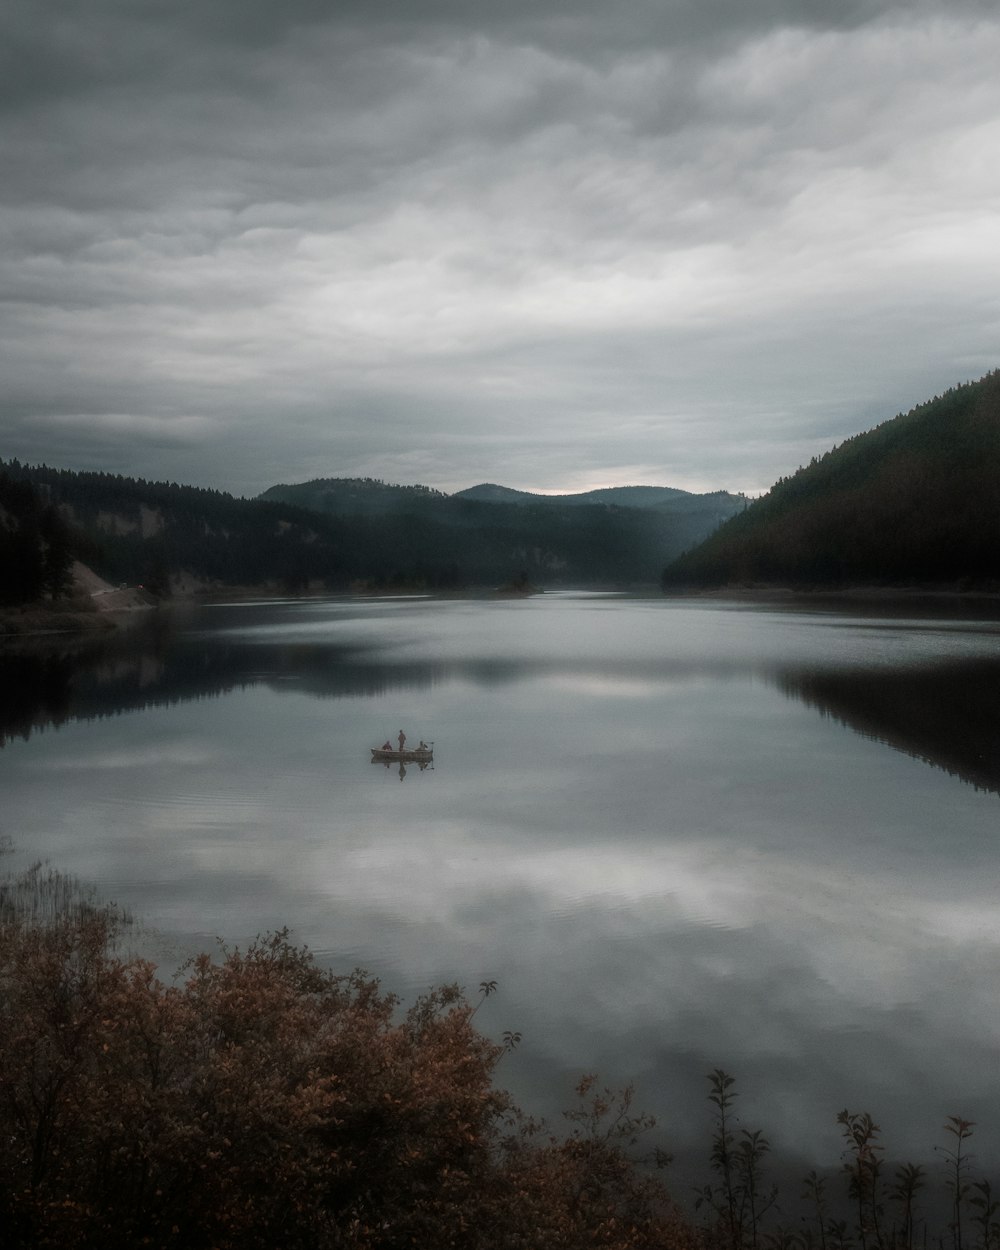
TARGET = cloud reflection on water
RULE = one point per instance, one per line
(697, 871)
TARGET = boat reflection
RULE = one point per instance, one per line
(422, 765)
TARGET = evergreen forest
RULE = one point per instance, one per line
(333, 534)
(913, 502)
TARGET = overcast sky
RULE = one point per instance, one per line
(555, 244)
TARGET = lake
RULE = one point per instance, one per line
(679, 834)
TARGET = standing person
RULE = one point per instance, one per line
(402, 740)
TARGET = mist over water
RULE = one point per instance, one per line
(679, 835)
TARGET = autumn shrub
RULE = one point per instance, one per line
(261, 1101)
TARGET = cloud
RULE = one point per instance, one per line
(694, 243)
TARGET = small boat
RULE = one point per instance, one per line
(418, 755)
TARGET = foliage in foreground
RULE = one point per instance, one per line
(265, 1102)
(878, 1207)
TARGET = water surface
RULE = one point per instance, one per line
(678, 835)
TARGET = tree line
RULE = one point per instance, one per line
(371, 536)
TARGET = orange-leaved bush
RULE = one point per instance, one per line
(266, 1102)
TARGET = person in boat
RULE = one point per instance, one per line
(387, 745)
(402, 740)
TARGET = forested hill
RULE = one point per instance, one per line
(333, 534)
(163, 535)
(369, 496)
(489, 533)
(616, 496)
(351, 496)
(915, 501)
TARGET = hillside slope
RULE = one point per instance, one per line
(915, 501)
(491, 533)
(616, 496)
(350, 496)
(333, 534)
(164, 536)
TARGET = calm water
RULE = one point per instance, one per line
(679, 836)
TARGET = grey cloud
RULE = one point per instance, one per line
(564, 242)
(255, 25)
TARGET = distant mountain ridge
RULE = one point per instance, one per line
(340, 533)
(490, 533)
(616, 496)
(914, 501)
(372, 495)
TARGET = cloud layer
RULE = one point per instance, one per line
(553, 246)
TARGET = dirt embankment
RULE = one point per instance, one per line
(104, 597)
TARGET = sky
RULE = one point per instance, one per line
(555, 244)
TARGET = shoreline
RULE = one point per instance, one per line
(859, 598)
(110, 610)
(39, 620)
